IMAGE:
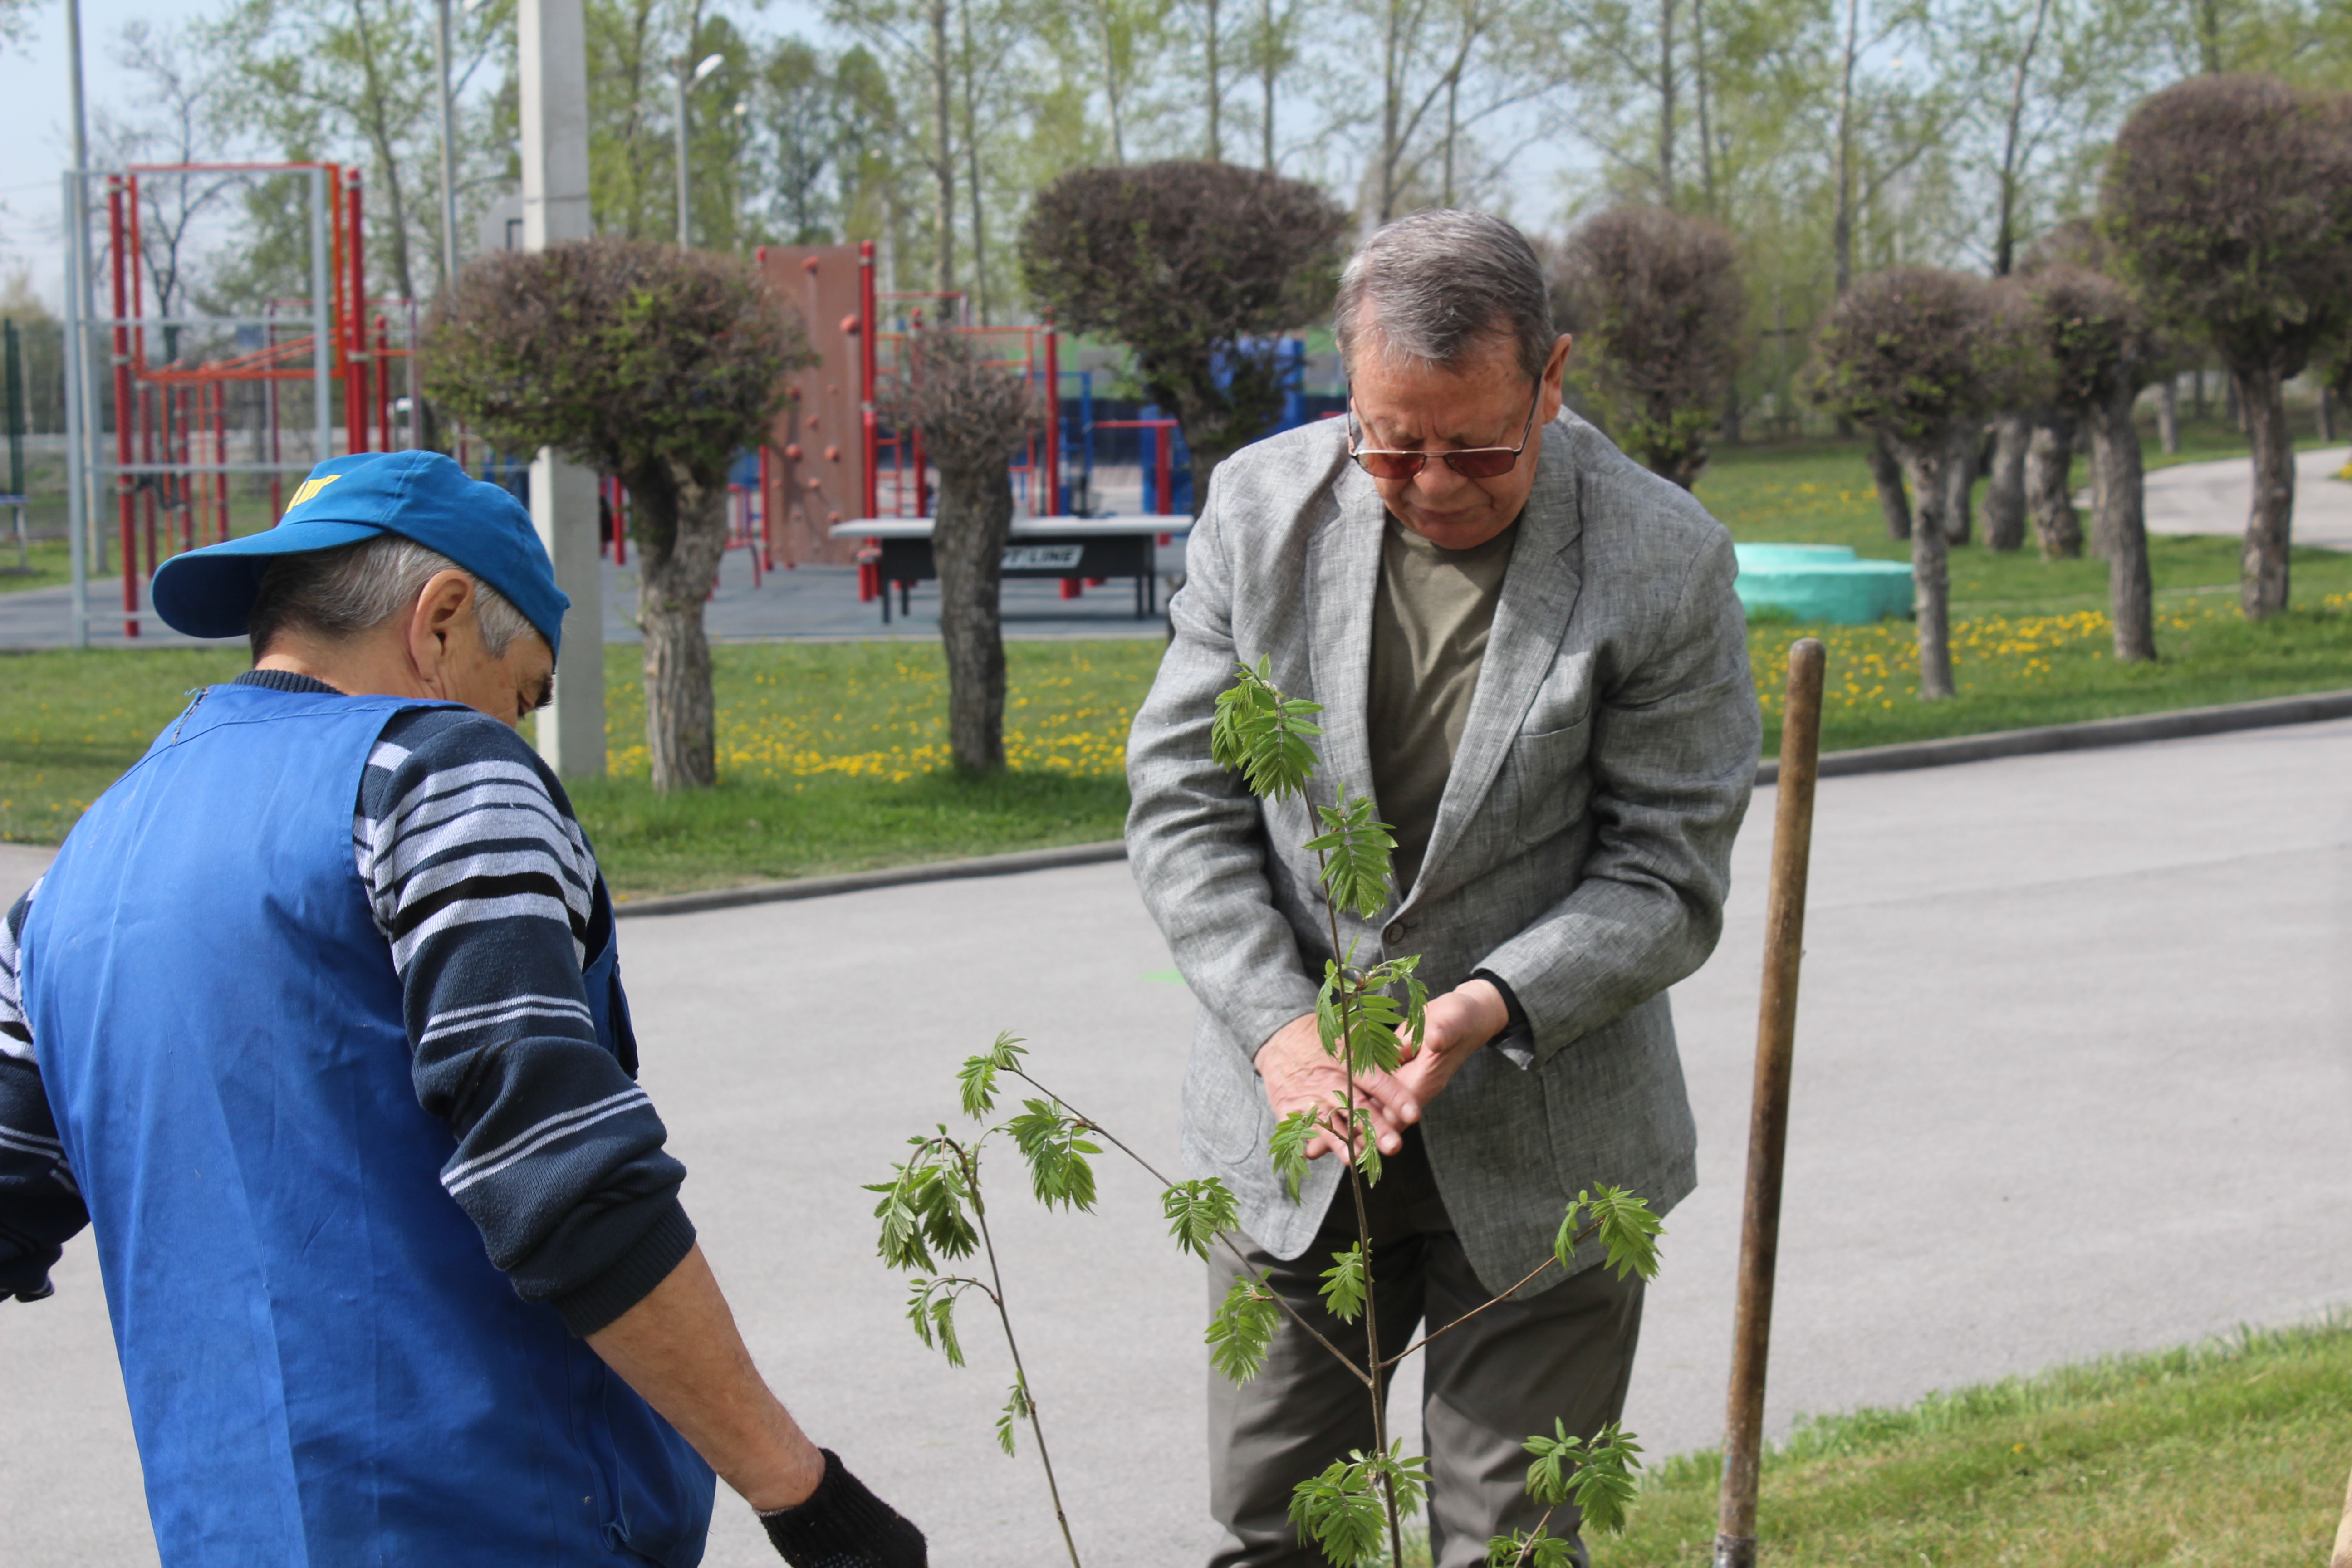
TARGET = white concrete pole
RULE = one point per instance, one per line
(553, 39)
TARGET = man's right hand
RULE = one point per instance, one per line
(842, 1525)
(1299, 1076)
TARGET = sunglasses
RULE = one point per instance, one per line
(1471, 462)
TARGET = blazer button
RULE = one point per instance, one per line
(1395, 932)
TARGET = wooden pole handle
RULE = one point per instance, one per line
(1768, 1128)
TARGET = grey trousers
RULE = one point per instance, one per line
(1566, 1354)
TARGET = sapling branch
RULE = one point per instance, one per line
(1021, 1402)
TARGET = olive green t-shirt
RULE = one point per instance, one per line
(1430, 621)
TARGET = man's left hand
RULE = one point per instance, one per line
(1453, 1025)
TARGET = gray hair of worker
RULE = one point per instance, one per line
(1432, 287)
(336, 594)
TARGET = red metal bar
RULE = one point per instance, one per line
(220, 455)
(1053, 420)
(147, 454)
(354, 326)
(767, 497)
(866, 327)
(383, 385)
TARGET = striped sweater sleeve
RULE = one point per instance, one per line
(40, 1206)
(484, 887)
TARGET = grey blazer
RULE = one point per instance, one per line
(1581, 850)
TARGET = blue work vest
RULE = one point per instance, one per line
(324, 1368)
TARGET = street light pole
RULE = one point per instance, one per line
(687, 82)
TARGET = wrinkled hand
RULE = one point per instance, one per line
(1453, 1025)
(1298, 1076)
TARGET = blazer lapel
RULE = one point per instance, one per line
(1344, 566)
(1531, 616)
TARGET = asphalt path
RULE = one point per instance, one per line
(810, 604)
(2073, 1075)
(2215, 497)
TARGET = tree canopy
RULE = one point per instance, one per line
(1194, 266)
(1657, 306)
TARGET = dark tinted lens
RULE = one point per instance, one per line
(1484, 463)
(1391, 465)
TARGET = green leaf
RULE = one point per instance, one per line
(1262, 735)
(1288, 1147)
(1198, 1212)
(1563, 1245)
(1540, 1550)
(1341, 1511)
(1343, 1284)
(1344, 1510)
(922, 1208)
(1356, 850)
(1242, 1327)
(1327, 1009)
(978, 1078)
(1628, 1229)
(1547, 1477)
(1367, 1148)
(1017, 1410)
(1052, 1142)
(930, 1307)
(1603, 1485)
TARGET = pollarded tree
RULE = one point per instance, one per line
(2102, 352)
(1913, 353)
(973, 416)
(1195, 268)
(1658, 296)
(2227, 200)
(649, 363)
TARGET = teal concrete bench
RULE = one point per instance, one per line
(1821, 583)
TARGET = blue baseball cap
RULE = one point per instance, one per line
(423, 496)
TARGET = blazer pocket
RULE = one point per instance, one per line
(1548, 779)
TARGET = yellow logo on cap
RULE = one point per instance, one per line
(311, 487)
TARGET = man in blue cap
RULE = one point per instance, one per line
(315, 1020)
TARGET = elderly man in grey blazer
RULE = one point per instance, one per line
(1529, 653)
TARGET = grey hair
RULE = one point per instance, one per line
(1434, 285)
(337, 593)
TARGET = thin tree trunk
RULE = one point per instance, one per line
(971, 155)
(2049, 488)
(2196, 402)
(2121, 522)
(1931, 575)
(2004, 501)
(1217, 92)
(1267, 72)
(2326, 415)
(2168, 414)
(975, 520)
(943, 144)
(1706, 130)
(1886, 473)
(677, 564)
(2262, 576)
(1666, 104)
(1959, 483)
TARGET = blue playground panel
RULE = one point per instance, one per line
(1822, 583)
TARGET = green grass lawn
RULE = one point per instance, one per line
(2232, 1454)
(832, 756)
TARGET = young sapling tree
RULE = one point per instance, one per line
(932, 1206)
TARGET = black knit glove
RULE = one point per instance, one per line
(842, 1525)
